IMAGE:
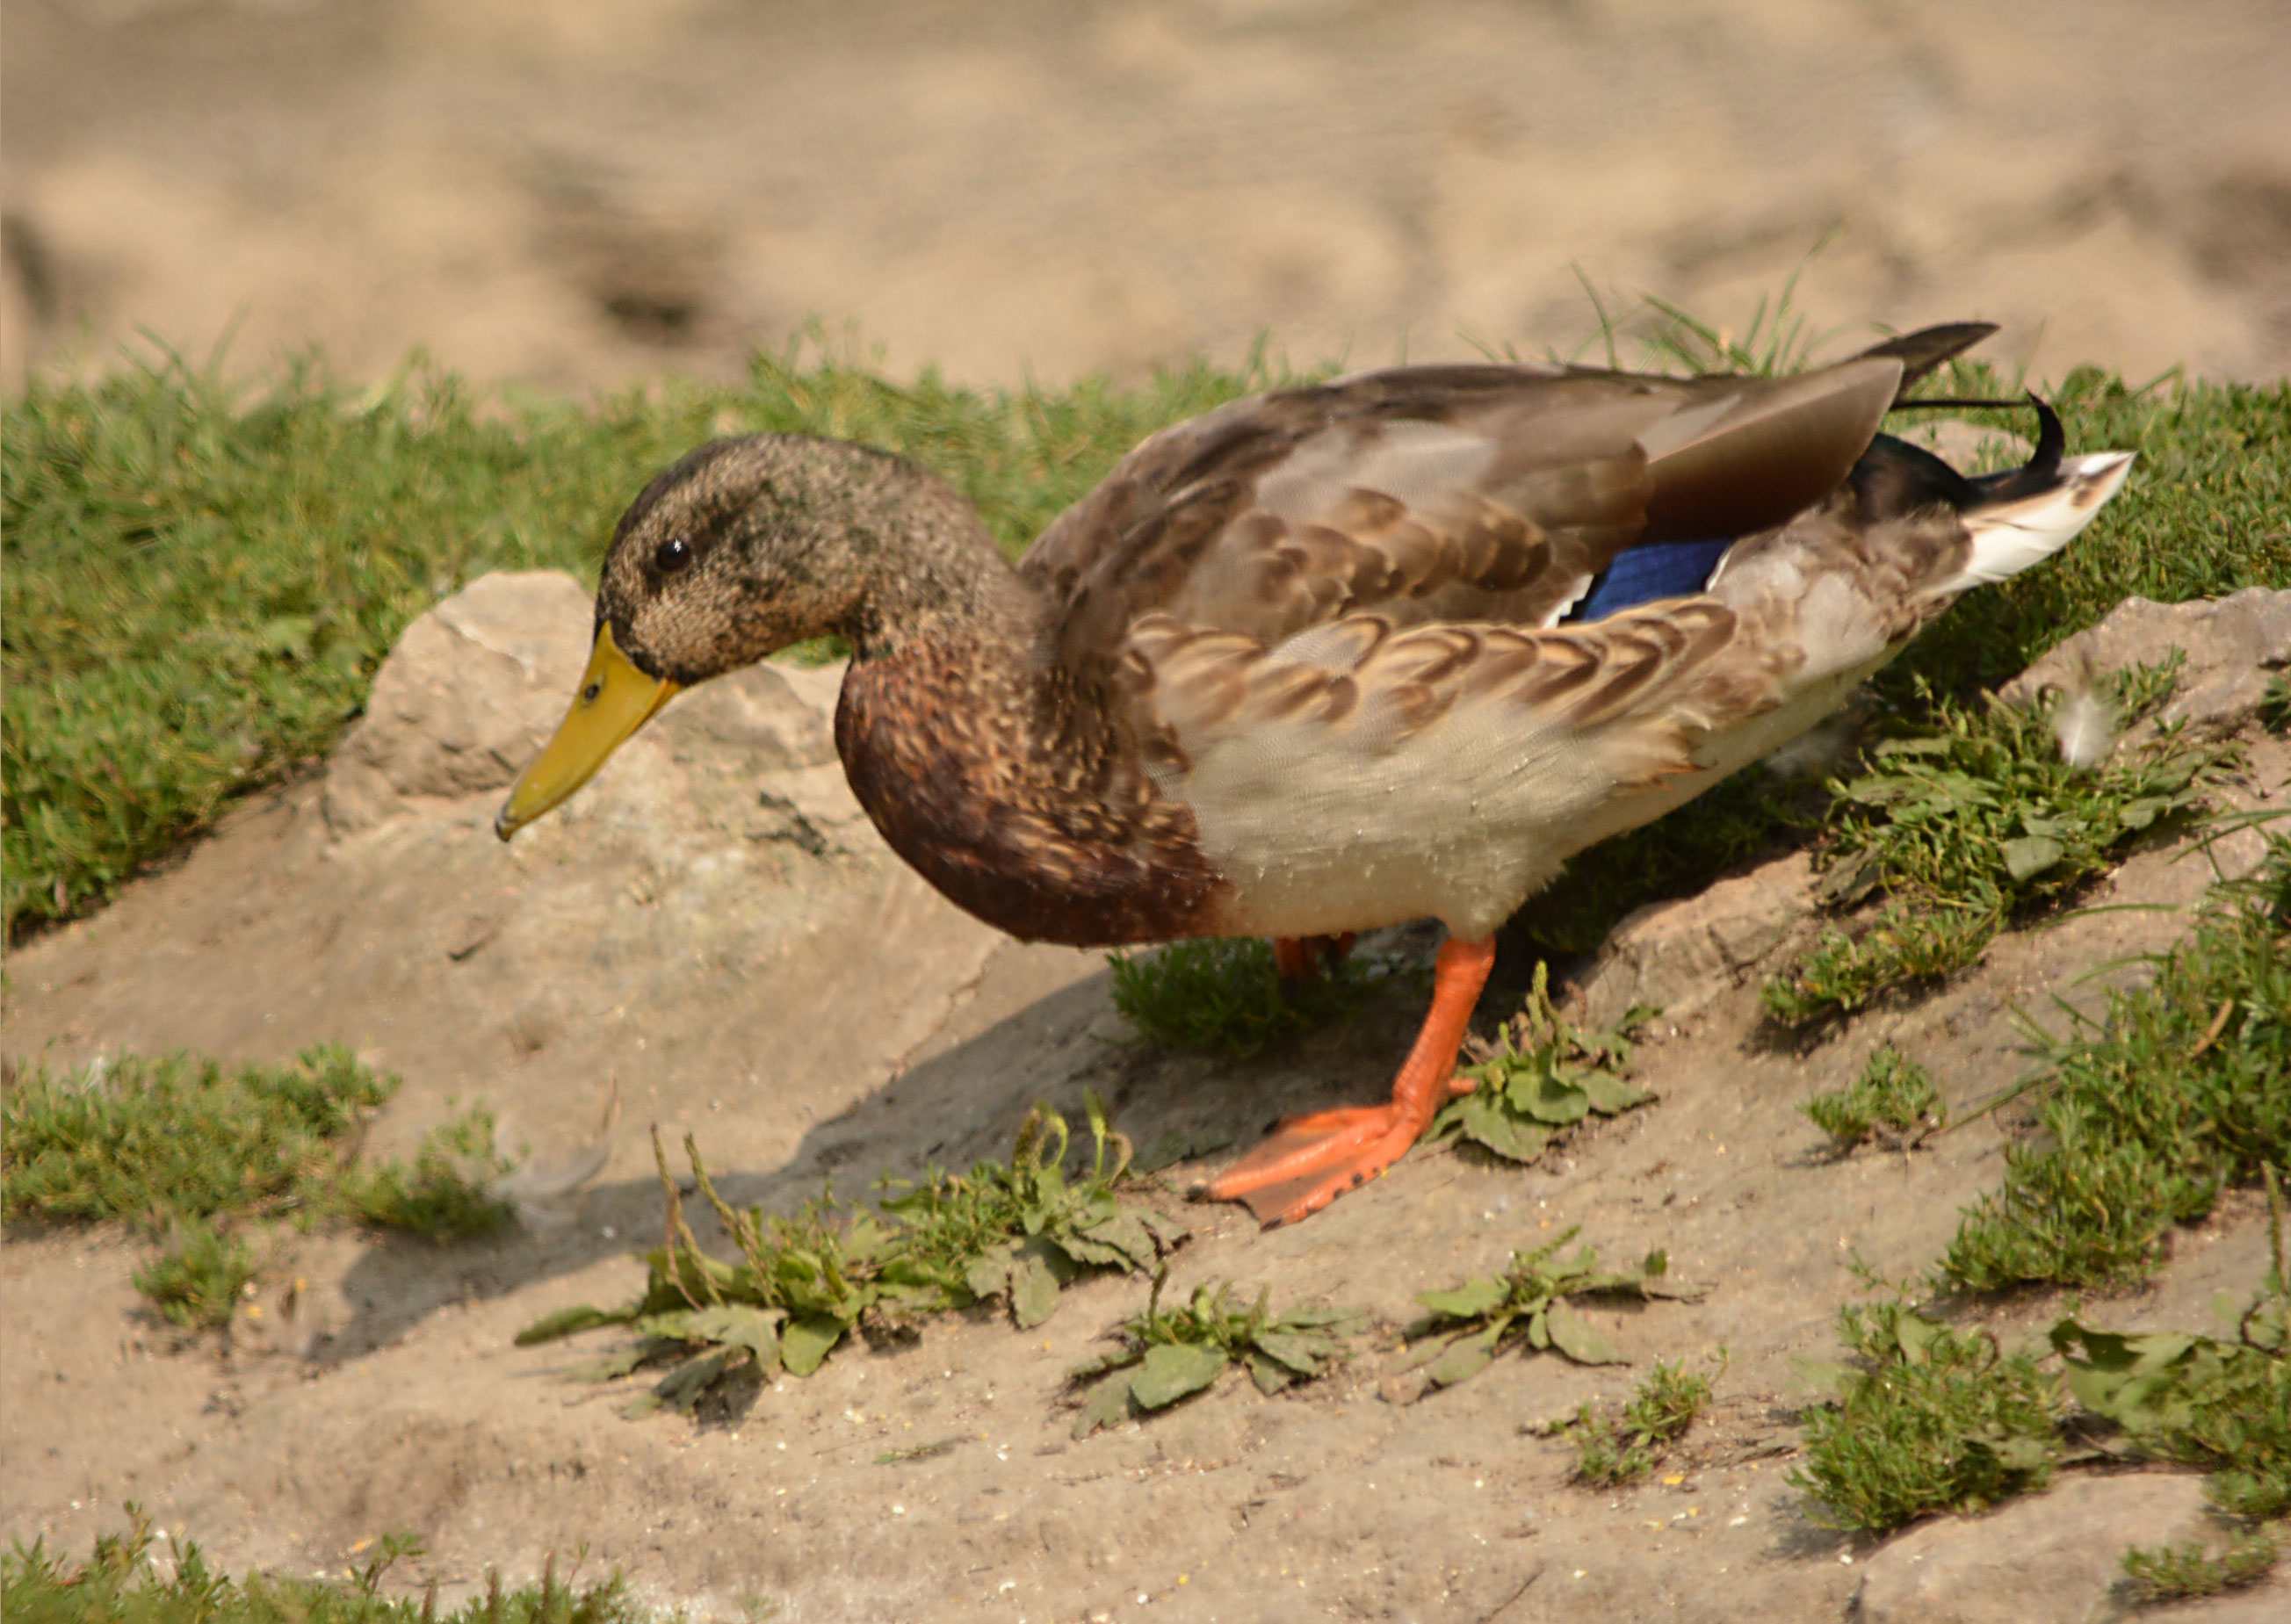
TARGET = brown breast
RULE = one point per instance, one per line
(1022, 802)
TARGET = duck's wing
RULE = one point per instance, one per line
(1493, 494)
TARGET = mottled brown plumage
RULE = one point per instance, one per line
(1328, 657)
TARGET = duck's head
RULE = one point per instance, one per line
(743, 548)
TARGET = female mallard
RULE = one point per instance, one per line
(1328, 657)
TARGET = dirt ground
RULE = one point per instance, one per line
(576, 193)
(753, 967)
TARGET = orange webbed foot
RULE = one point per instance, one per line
(1310, 1161)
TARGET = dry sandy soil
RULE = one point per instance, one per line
(582, 192)
(748, 964)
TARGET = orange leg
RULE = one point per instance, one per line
(1299, 958)
(1310, 1161)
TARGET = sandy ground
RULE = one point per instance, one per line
(576, 193)
(807, 1008)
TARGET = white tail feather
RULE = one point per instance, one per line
(2010, 536)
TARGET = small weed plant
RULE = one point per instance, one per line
(2161, 1573)
(1971, 824)
(1013, 1232)
(1893, 1101)
(1528, 1306)
(1163, 1355)
(199, 1277)
(189, 1149)
(122, 1583)
(1541, 1076)
(1616, 1448)
(2220, 1404)
(2149, 1113)
(1927, 1419)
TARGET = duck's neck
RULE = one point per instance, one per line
(1007, 781)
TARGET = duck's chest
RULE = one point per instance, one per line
(1020, 808)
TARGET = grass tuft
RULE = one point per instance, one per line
(184, 1146)
(2161, 1573)
(1611, 1449)
(1894, 1101)
(1224, 994)
(1971, 823)
(2149, 1113)
(198, 1279)
(121, 1583)
(1930, 1419)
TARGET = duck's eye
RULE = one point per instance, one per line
(672, 555)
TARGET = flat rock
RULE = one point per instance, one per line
(1678, 956)
(2056, 1556)
(2233, 645)
(475, 687)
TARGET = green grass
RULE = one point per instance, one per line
(200, 1276)
(1224, 994)
(1927, 1419)
(2147, 1115)
(1974, 822)
(121, 1583)
(201, 578)
(1893, 1100)
(1164, 1355)
(1614, 1448)
(190, 1149)
(2224, 1405)
(1010, 1234)
(2163, 1573)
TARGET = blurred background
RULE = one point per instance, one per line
(575, 194)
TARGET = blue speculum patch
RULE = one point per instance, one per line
(1656, 569)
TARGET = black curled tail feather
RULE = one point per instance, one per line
(1894, 479)
(2041, 473)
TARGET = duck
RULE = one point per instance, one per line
(1383, 648)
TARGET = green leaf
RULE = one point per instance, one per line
(567, 1322)
(1034, 1286)
(611, 1367)
(1268, 1374)
(1467, 1301)
(1301, 1353)
(1581, 1340)
(1483, 1119)
(1466, 1356)
(2031, 855)
(1108, 1403)
(1172, 1370)
(805, 1341)
(1610, 1094)
(1554, 1099)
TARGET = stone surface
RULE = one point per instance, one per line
(1678, 956)
(2234, 646)
(475, 687)
(2049, 1558)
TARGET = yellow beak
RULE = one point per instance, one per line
(616, 699)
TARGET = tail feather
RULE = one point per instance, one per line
(2009, 536)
